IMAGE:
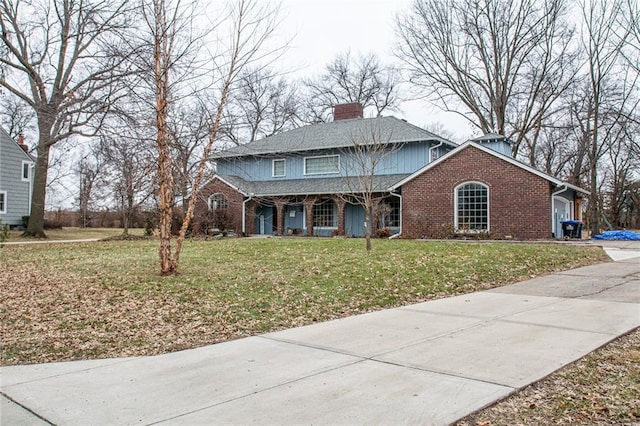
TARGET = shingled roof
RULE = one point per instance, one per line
(334, 185)
(336, 134)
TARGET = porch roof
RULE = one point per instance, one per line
(309, 186)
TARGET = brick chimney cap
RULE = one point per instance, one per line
(348, 111)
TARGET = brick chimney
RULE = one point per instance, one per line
(21, 143)
(347, 111)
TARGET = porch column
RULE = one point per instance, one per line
(308, 208)
(279, 217)
(250, 217)
(340, 204)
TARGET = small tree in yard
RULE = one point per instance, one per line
(251, 23)
(369, 150)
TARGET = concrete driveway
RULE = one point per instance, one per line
(431, 363)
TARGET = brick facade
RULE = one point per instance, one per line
(519, 201)
(202, 215)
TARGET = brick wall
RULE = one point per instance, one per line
(234, 206)
(519, 201)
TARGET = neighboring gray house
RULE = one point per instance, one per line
(16, 180)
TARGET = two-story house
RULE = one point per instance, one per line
(16, 180)
(309, 180)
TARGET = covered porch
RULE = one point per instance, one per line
(320, 215)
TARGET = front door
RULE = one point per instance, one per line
(561, 212)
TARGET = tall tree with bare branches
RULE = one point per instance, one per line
(500, 64)
(56, 56)
(348, 79)
(609, 92)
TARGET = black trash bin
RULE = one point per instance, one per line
(572, 229)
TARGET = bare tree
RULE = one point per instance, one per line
(89, 169)
(16, 116)
(347, 80)
(188, 131)
(261, 104)
(128, 147)
(609, 92)
(366, 159)
(251, 24)
(57, 58)
(501, 64)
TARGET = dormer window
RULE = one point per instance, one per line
(278, 168)
(322, 165)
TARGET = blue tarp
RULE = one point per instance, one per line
(618, 235)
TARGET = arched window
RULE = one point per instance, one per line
(217, 202)
(472, 207)
(325, 214)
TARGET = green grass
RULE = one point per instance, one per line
(72, 233)
(107, 299)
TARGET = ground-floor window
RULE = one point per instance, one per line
(325, 214)
(3, 202)
(389, 213)
(217, 204)
(472, 207)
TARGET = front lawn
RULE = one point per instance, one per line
(74, 233)
(106, 299)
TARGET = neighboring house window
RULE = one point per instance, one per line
(217, 202)
(26, 167)
(3, 202)
(322, 165)
(472, 207)
(325, 214)
(279, 168)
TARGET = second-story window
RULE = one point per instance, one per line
(322, 165)
(279, 168)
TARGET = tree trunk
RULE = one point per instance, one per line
(368, 228)
(35, 228)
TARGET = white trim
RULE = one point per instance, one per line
(321, 156)
(28, 168)
(273, 168)
(490, 151)
(235, 188)
(4, 204)
(455, 208)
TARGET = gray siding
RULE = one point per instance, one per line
(17, 191)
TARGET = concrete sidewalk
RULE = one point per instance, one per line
(430, 363)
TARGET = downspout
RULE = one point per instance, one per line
(563, 188)
(399, 233)
(244, 214)
(433, 148)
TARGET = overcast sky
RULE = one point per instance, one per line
(321, 29)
